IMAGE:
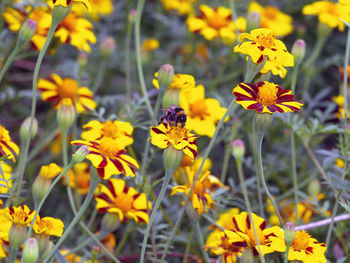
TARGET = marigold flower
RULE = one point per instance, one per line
(20, 215)
(180, 81)
(6, 224)
(50, 171)
(265, 97)
(329, 13)
(180, 138)
(108, 157)
(262, 42)
(5, 174)
(117, 130)
(125, 201)
(79, 178)
(180, 173)
(149, 45)
(202, 113)
(109, 242)
(225, 219)
(48, 226)
(99, 8)
(7, 146)
(55, 89)
(339, 100)
(183, 7)
(272, 18)
(66, 3)
(213, 23)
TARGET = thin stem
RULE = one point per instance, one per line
(168, 174)
(201, 242)
(323, 222)
(10, 59)
(188, 246)
(234, 16)
(140, 5)
(205, 156)
(286, 254)
(13, 255)
(128, 60)
(225, 162)
(100, 74)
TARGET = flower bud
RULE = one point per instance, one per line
(238, 148)
(314, 187)
(289, 232)
(298, 50)
(172, 158)
(24, 129)
(60, 12)
(107, 47)
(82, 59)
(43, 243)
(324, 30)
(171, 97)
(165, 75)
(17, 235)
(262, 121)
(95, 250)
(253, 21)
(80, 154)
(30, 251)
(132, 15)
(28, 30)
(39, 188)
(66, 114)
(110, 222)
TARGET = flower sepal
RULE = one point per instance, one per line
(172, 158)
(110, 223)
(59, 13)
(171, 97)
(17, 235)
(262, 121)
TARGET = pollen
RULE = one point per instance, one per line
(124, 202)
(68, 89)
(177, 133)
(109, 147)
(110, 130)
(266, 40)
(267, 94)
(301, 240)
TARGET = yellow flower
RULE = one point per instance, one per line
(99, 8)
(180, 138)
(76, 31)
(5, 224)
(149, 45)
(225, 219)
(339, 163)
(109, 242)
(79, 178)
(306, 249)
(180, 172)
(108, 157)
(117, 130)
(50, 171)
(272, 18)
(183, 7)
(214, 23)
(7, 146)
(5, 174)
(66, 3)
(3, 245)
(20, 215)
(55, 89)
(262, 42)
(339, 100)
(265, 97)
(202, 113)
(329, 13)
(125, 201)
(48, 226)
(71, 258)
(180, 81)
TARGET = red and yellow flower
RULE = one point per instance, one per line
(5, 176)
(265, 97)
(180, 81)
(66, 3)
(180, 138)
(48, 226)
(55, 89)
(7, 146)
(20, 215)
(122, 200)
(262, 43)
(108, 157)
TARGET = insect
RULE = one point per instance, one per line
(174, 115)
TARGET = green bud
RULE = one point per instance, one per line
(289, 232)
(82, 59)
(66, 114)
(39, 188)
(110, 223)
(43, 243)
(253, 21)
(107, 47)
(238, 149)
(27, 30)
(80, 154)
(95, 250)
(314, 187)
(132, 16)
(24, 129)
(17, 235)
(324, 30)
(298, 50)
(59, 13)
(171, 97)
(262, 121)
(165, 75)
(172, 158)
(30, 251)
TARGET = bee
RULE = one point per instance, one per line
(174, 115)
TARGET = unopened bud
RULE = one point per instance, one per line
(39, 188)
(253, 21)
(28, 30)
(324, 30)
(314, 187)
(132, 16)
(172, 158)
(107, 47)
(238, 148)
(95, 251)
(30, 251)
(165, 75)
(171, 97)
(66, 114)
(110, 223)
(298, 50)
(43, 243)
(80, 154)
(60, 12)
(17, 235)
(289, 232)
(82, 59)
(24, 129)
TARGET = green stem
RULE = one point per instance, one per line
(205, 156)
(286, 254)
(94, 181)
(247, 204)
(100, 74)
(234, 16)
(13, 255)
(128, 230)
(11, 58)
(168, 174)
(140, 5)
(225, 162)
(128, 60)
(201, 242)
(188, 246)
(253, 69)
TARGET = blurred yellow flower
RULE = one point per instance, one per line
(48, 226)
(66, 3)
(55, 89)
(214, 23)
(339, 163)
(272, 18)
(202, 113)
(180, 81)
(329, 13)
(5, 174)
(149, 45)
(79, 178)
(225, 219)
(183, 7)
(262, 42)
(99, 8)
(7, 146)
(125, 201)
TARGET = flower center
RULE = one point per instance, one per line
(266, 41)
(109, 147)
(110, 129)
(124, 202)
(301, 240)
(43, 224)
(68, 89)
(198, 109)
(252, 239)
(199, 189)
(271, 12)
(267, 94)
(217, 21)
(177, 133)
